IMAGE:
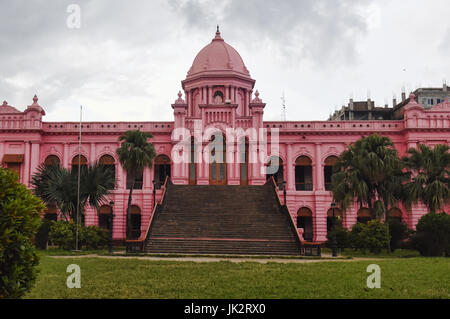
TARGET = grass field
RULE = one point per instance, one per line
(131, 278)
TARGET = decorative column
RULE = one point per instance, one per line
(26, 165)
(34, 160)
(318, 184)
(290, 168)
(179, 110)
(210, 95)
(119, 174)
(65, 160)
(92, 153)
(203, 167)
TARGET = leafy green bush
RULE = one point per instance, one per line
(95, 237)
(342, 236)
(432, 236)
(399, 232)
(355, 237)
(373, 236)
(62, 233)
(19, 221)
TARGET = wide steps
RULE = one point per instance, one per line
(222, 220)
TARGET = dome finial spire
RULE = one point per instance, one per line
(218, 37)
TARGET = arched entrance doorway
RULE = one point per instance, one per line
(162, 170)
(303, 174)
(104, 214)
(305, 221)
(78, 159)
(51, 160)
(395, 213)
(328, 171)
(217, 163)
(135, 222)
(363, 215)
(108, 162)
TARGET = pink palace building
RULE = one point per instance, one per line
(218, 95)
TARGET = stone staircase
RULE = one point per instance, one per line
(198, 219)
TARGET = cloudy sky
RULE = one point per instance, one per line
(127, 59)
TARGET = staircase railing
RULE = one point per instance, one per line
(306, 248)
(138, 245)
(285, 210)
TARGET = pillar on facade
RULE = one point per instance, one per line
(318, 184)
(26, 164)
(65, 160)
(290, 165)
(35, 155)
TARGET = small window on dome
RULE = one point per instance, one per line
(218, 97)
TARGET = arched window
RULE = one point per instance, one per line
(275, 163)
(104, 214)
(51, 213)
(243, 160)
(218, 97)
(305, 221)
(162, 170)
(337, 213)
(303, 174)
(395, 213)
(81, 160)
(328, 171)
(109, 162)
(363, 215)
(135, 222)
(51, 160)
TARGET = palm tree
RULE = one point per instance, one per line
(135, 154)
(56, 185)
(430, 176)
(369, 172)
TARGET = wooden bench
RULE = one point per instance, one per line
(309, 248)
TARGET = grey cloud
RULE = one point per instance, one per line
(56, 61)
(323, 31)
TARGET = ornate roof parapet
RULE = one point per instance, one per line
(180, 99)
(8, 109)
(412, 103)
(35, 106)
(257, 99)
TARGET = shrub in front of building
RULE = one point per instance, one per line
(373, 236)
(432, 237)
(63, 234)
(19, 221)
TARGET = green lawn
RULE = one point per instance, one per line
(132, 278)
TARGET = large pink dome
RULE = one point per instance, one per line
(218, 56)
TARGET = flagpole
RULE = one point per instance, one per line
(79, 173)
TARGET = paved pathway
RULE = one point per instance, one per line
(219, 259)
